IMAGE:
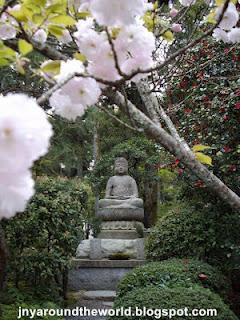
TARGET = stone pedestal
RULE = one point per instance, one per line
(99, 274)
(113, 249)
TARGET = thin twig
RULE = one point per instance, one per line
(119, 121)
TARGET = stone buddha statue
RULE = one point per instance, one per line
(121, 202)
(121, 190)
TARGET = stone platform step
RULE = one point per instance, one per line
(99, 295)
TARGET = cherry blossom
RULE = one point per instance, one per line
(134, 46)
(40, 36)
(75, 95)
(117, 13)
(90, 42)
(230, 18)
(234, 35)
(68, 68)
(220, 35)
(176, 27)
(66, 37)
(15, 192)
(173, 12)
(63, 106)
(7, 32)
(24, 132)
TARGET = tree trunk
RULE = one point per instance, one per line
(3, 259)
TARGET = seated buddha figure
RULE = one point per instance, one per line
(121, 190)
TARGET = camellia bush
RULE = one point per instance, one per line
(43, 239)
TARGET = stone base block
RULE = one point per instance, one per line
(121, 214)
(118, 234)
(114, 249)
(99, 274)
(121, 230)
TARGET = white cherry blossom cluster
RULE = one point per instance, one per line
(24, 137)
(121, 46)
(76, 94)
(227, 30)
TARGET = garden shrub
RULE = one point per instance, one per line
(173, 298)
(204, 233)
(174, 273)
(43, 239)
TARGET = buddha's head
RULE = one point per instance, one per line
(121, 166)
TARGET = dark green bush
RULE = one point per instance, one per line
(204, 233)
(174, 298)
(174, 273)
(43, 239)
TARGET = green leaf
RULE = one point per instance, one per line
(4, 62)
(56, 31)
(7, 53)
(168, 36)
(38, 19)
(200, 147)
(201, 157)
(63, 20)
(24, 47)
(83, 14)
(79, 56)
(2, 2)
(52, 67)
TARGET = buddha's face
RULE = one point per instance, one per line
(120, 168)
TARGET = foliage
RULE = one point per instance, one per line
(43, 239)
(14, 298)
(174, 298)
(189, 230)
(174, 273)
(208, 109)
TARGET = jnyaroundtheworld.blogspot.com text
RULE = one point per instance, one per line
(117, 312)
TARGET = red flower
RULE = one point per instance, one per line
(177, 161)
(180, 172)
(183, 84)
(237, 93)
(227, 149)
(222, 109)
(232, 168)
(226, 50)
(225, 117)
(187, 110)
(202, 276)
(206, 99)
(237, 106)
(199, 184)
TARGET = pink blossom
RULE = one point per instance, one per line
(173, 12)
(176, 27)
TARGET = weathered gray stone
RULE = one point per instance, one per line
(99, 274)
(118, 214)
(118, 234)
(83, 250)
(110, 248)
(121, 225)
(102, 295)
